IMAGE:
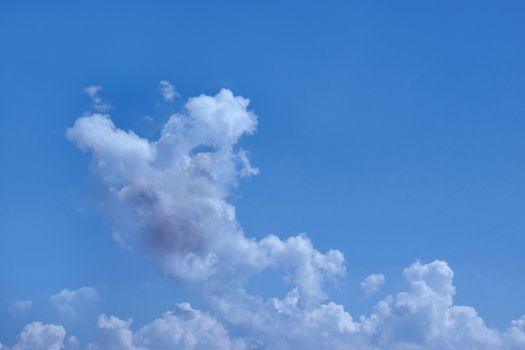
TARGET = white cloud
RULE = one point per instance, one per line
(97, 103)
(372, 283)
(169, 198)
(40, 336)
(184, 328)
(421, 317)
(516, 334)
(246, 168)
(167, 90)
(114, 334)
(20, 307)
(71, 303)
(425, 317)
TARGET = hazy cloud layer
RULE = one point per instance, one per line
(20, 307)
(72, 302)
(169, 199)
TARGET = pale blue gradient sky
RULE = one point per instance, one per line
(390, 130)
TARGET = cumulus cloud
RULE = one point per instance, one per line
(40, 336)
(20, 307)
(184, 328)
(167, 91)
(168, 198)
(97, 103)
(70, 303)
(423, 316)
(372, 283)
(516, 333)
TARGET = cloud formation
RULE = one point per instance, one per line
(184, 328)
(20, 307)
(372, 283)
(168, 199)
(167, 91)
(97, 103)
(421, 317)
(41, 336)
(72, 302)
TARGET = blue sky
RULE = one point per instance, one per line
(391, 131)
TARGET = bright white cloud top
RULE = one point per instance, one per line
(169, 199)
(40, 336)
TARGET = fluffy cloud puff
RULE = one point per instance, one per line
(41, 336)
(372, 283)
(425, 317)
(184, 328)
